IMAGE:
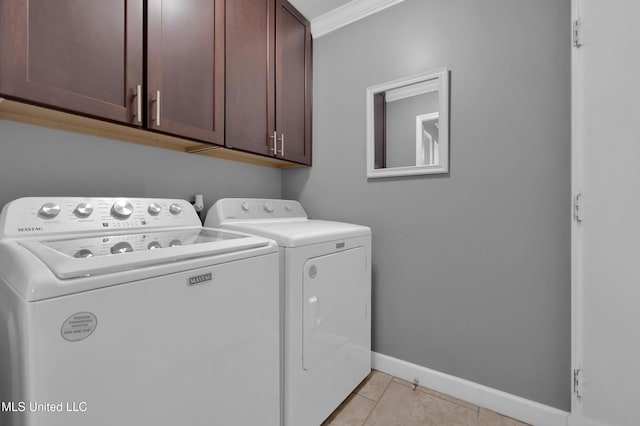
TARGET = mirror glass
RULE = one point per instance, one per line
(407, 126)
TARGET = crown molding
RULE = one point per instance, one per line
(347, 14)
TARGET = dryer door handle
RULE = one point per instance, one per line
(314, 308)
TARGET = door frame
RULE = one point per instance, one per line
(577, 283)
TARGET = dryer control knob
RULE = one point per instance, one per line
(49, 210)
(122, 209)
(268, 207)
(154, 209)
(245, 206)
(175, 209)
(83, 210)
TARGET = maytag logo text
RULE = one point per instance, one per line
(200, 279)
(30, 229)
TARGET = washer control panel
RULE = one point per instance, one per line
(229, 209)
(39, 215)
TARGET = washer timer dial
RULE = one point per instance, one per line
(83, 210)
(122, 209)
(154, 209)
(49, 210)
(268, 207)
(175, 209)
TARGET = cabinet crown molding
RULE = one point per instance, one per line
(347, 14)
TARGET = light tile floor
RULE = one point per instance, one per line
(383, 400)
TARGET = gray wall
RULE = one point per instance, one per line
(36, 161)
(471, 269)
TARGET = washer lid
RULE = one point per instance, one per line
(295, 233)
(105, 254)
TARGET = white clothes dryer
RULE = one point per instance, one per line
(325, 270)
(128, 312)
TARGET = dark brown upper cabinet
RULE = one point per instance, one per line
(250, 84)
(225, 72)
(87, 57)
(81, 56)
(293, 84)
(185, 68)
(268, 79)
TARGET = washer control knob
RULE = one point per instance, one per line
(154, 245)
(175, 209)
(122, 247)
(49, 210)
(175, 243)
(268, 207)
(83, 254)
(83, 210)
(245, 206)
(122, 209)
(287, 207)
(154, 209)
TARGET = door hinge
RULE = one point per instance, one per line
(577, 208)
(577, 33)
(578, 380)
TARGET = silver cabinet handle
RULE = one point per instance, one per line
(137, 112)
(157, 102)
(281, 139)
(274, 138)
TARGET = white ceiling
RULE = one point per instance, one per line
(313, 8)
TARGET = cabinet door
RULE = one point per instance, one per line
(293, 84)
(185, 68)
(81, 56)
(250, 116)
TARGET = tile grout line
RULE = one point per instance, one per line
(383, 391)
(366, 397)
(451, 399)
(376, 402)
(424, 390)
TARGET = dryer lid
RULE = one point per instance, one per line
(284, 221)
(295, 233)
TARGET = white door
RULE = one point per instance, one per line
(606, 244)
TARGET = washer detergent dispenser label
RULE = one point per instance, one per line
(79, 326)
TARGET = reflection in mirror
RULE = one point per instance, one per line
(407, 126)
(427, 139)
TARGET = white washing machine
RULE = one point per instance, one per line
(128, 312)
(325, 272)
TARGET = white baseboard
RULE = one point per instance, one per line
(575, 420)
(483, 396)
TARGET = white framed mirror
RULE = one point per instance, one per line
(408, 126)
